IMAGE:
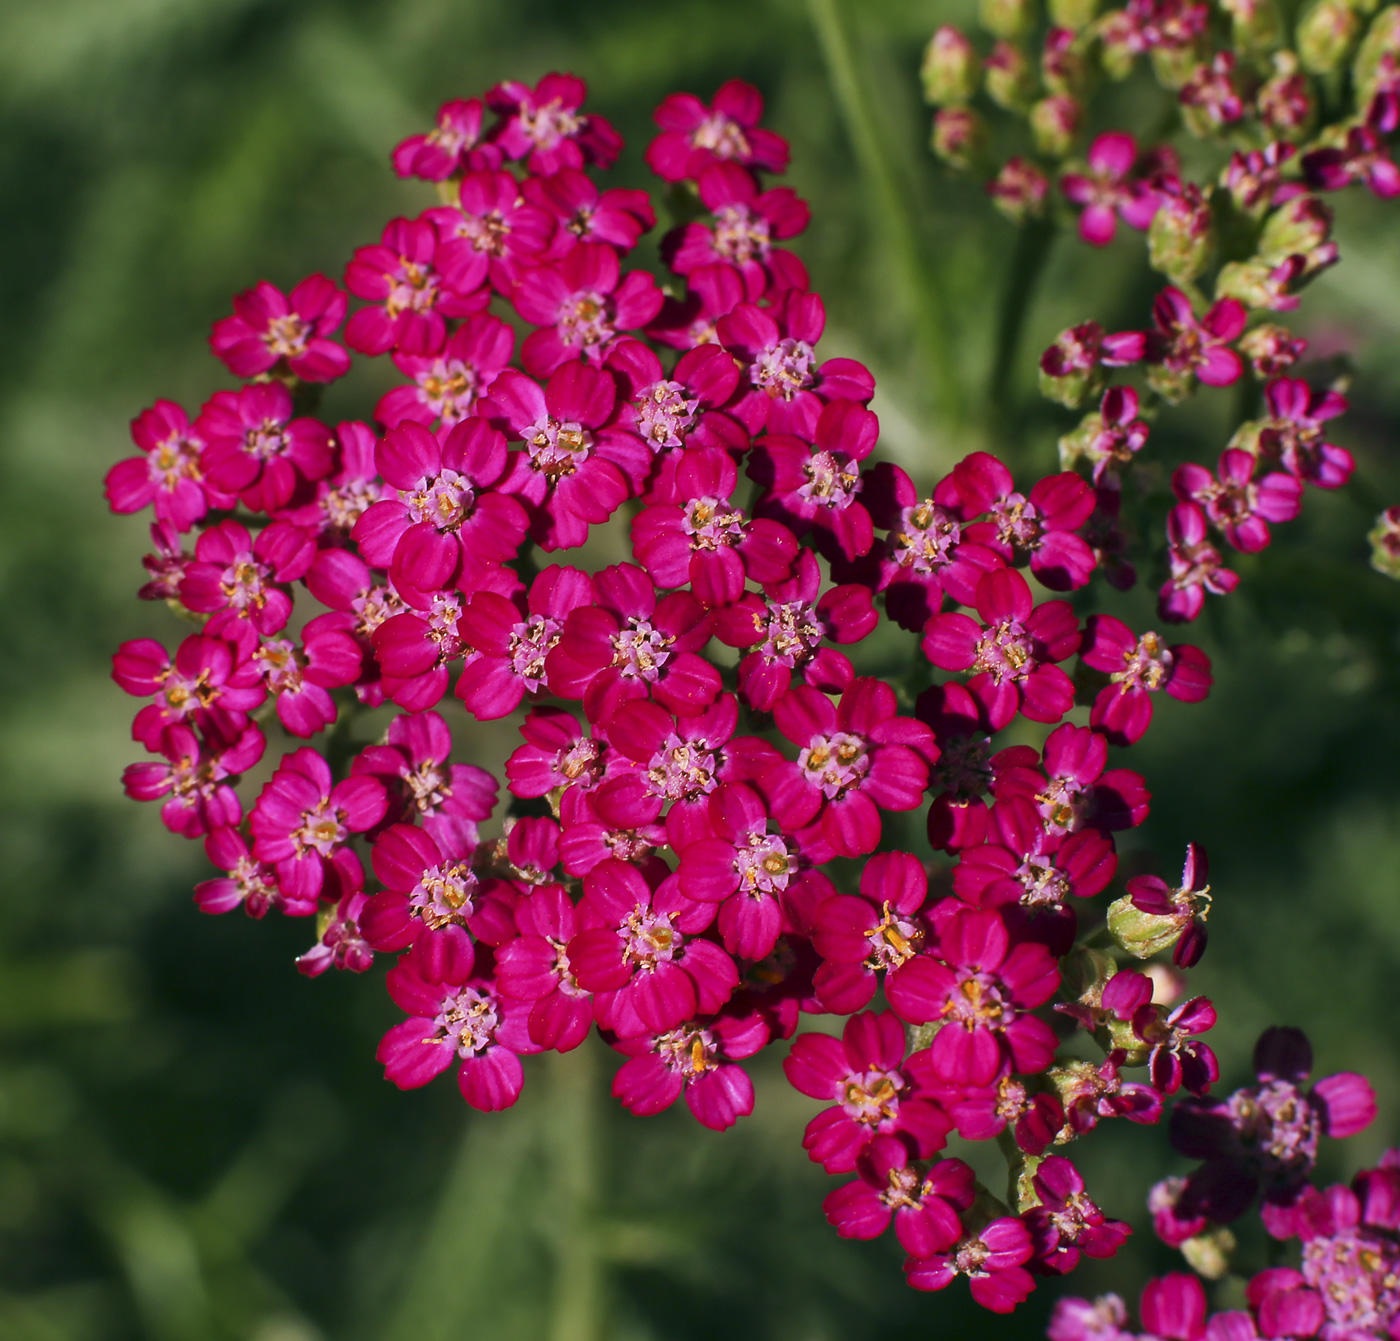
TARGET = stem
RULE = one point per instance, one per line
(892, 206)
(1027, 266)
(580, 1270)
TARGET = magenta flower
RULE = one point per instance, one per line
(447, 799)
(1120, 436)
(817, 486)
(782, 387)
(1105, 1319)
(558, 755)
(581, 306)
(448, 385)
(962, 774)
(579, 463)
(346, 492)
(880, 931)
(1138, 668)
(583, 213)
(1107, 190)
(1067, 1224)
(453, 146)
(196, 779)
(1071, 785)
(1196, 566)
(694, 136)
(302, 818)
(861, 1075)
(926, 553)
(747, 222)
(427, 889)
(1187, 905)
(1175, 1057)
(249, 884)
(1350, 1255)
(236, 577)
(1211, 91)
(857, 758)
(416, 649)
(603, 827)
(512, 640)
(1235, 502)
(210, 683)
(299, 678)
(340, 944)
(784, 632)
(983, 987)
(714, 292)
(446, 518)
(1091, 1093)
(168, 474)
(411, 293)
(545, 126)
(534, 968)
(754, 874)
(1039, 527)
(454, 1015)
(1083, 349)
(633, 644)
(270, 329)
(704, 541)
(255, 449)
(1294, 433)
(1362, 158)
(924, 1207)
(992, 1260)
(643, 955)
(1012, 654)
(697, 1060)
(492, 232)
(1183, 344)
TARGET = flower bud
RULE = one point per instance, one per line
(1006, 18)
(1181, 238)
(1255, 25)
(1070, 371)
(1141, 934)
(959, 135)
(1285, 104)
(1083, 972)
(1208, 1254)
(1174, 66)
(1271, 350)
(1019, 190)
(1010, 78)
(1326, 34)
(950, 69)
(1118, 44)
(1075, 14)
(1385, 543)
(1300, 226)
(1062, 63)
(1055, 123)
(1379, 51)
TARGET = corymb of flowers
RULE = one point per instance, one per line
(717, 825)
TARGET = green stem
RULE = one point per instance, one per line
(892, 206)
(580, 1272)
(1027, 265)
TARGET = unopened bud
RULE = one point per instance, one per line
(1055, 123)
(1326, 34)
(1285, 103)
(1070, 370)
(1208, 1254)
(1075, 14)
(1181, 238)
(1271, 350)
(1010, 77)
(1300, 226)
(1141, 934)
(1379, 50)
(1006, 18)
(1174, 66)
(1385, 543)
(959, 135)
(1083, 972)
(1118, 44)
(1256, 26)
(1062, 63)
(950, 69)
(1019, 190)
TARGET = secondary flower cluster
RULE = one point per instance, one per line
(1251, 235)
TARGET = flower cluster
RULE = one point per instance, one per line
(707, 731)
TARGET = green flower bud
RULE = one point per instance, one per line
(1173, 387)
(951, 69)
(1174, 66)
(1074, 14)
(1181, 238)
(1076, 445)
(1300, 226)
(1380, 48)
(1019, 190)
(1208, 1254)
(1083, 973)
(1286, 104)
(1141, 934)
(1326, 34)
(1251, 283)
(1385, 543)
(959, 136)
(1006, 18)
(1063, 66)
(1121, 1036)
(1256, 26)
(1010, 77)
(1055, 123)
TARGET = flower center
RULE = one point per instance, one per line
(665, 414)
(1005, 651)
(722, 136)
(925, 537)
(711, 523)
(741, 235)
(832, 480)
(639, 651)
(286, 336)
(794, 632)
(764, 864)
(557, 449)
(649, 939)
(583, 320)
(872, 1097)
(687, 1051)
(682, 770)
(467, 1020)
(344, 504)
(444, 895)
(322, 830)
(444, 502)
(784, 369)
(549, 124)
(427, 786)
(266, 440)
(894, 940)
(977, 1001)
(413, 289)
(835, 763)
(530, 643)
(449, 389)
(282, 665)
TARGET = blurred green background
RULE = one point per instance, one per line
(195, 1143)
